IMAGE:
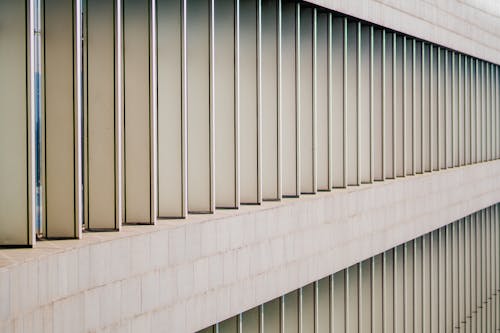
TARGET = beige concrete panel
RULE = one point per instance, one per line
(338, 116)
(137, 111)
(290, 125)
(250, 111)
(172, 130)
(271, 167)
(321, 103)
(103, 113)
(14, 117)
(61, 213)
(226, 105)
(307, 107)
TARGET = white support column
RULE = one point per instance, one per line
(268, 92)
(139, 54)
(62, 117)
(104, 115)
(226, 103)
(17, 123)
(307, 105)
(289, 90)
(172, 109)
(250, 103)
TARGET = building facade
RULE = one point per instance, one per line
(249, 166)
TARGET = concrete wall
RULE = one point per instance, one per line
(469, 26)
(184, 275)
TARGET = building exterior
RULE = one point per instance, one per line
(249, 166)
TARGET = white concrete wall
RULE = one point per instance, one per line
(469, 26)
(183, 275)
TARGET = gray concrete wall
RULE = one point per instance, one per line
(184, 275)
(469, 26)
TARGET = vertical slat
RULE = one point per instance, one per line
(364, 76)
(467, 111)
(455, 109)
(442, 279)
(226, 104)
(449, 110)
(138, 111)
(271, 185)
(387, 105)
(338, 114)
(473, 111)
(339, 310)
(200, 98)
(460, 111)
(399, 294)
(104, 115)
(376, 69)
(487, 111)
(449, 279)
(289, 89)
(484, 147)
(408, 102)
(426, 120)
(389, 291)
(351, 102)
(434, 114)
(399, 106)
(434, 279)
(172, 108)
(394, 101)
(365, 296)
(307, 305)
(17, 127)
(62, 115)
(291, 312)
(250, 103)
(441, 108)
(307, 117)
(321, 104)
(377, 294)
(418, 108)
